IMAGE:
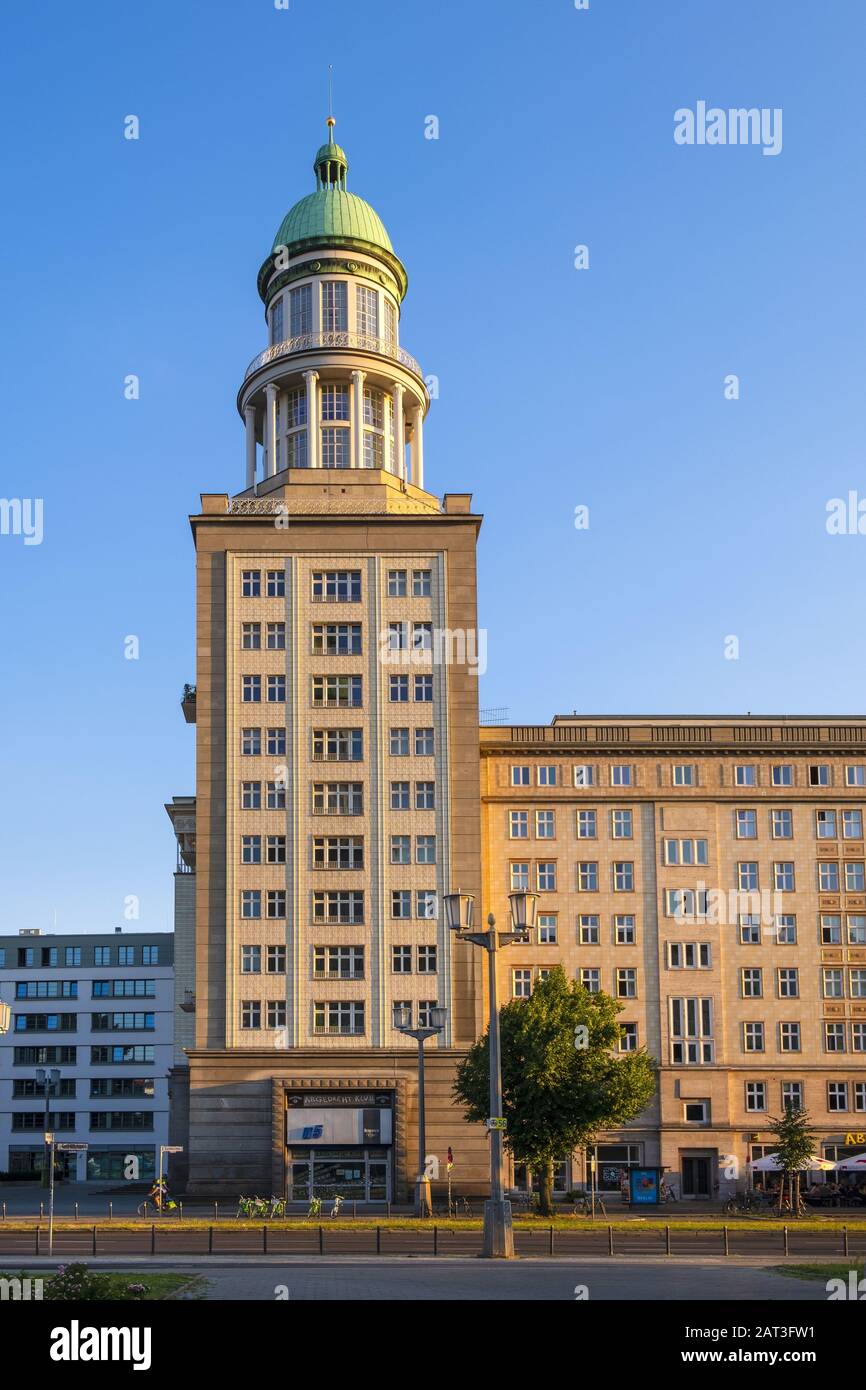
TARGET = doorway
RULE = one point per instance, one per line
(696, 1177)
(356, 1175)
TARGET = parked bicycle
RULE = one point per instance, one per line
(666, 1193)
(750, 1201)
(338, 1202)
(250, 1208)
(315, 1208)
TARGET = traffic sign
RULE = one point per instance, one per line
(172, 1148)
(49, 1138)
(72, 1148)
(495, 1122)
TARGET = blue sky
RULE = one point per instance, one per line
(558, 387)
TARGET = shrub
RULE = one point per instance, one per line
(76, 1283)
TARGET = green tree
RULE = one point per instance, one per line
(562, 1080)
(795, 1144)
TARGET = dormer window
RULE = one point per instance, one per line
(335, 306)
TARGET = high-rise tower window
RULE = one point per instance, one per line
(367, 311)
(335, 313)
(390, 324)
(374, 428)
(295, 428)
(277, 322)
(337, 586)
(301, 310)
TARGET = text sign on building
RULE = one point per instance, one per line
(354, 1125)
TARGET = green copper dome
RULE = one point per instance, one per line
(332, 214)
(331, 217)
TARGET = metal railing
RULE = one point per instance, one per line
(310, 342)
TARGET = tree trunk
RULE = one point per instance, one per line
(782, 1193)
(545, 1189)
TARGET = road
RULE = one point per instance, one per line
(549, 1280)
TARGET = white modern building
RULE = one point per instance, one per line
(96, 1013)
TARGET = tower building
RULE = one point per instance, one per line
(336, 716)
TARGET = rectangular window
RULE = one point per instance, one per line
(518, 877)
(588, 929)
(545, 876)
(546, 775)
(828, 877)
(276, 744)
(426, 960)
(426, 904)
(276, 960)
(837, 1095)
(753, 1037)
(338, 962)
(783, 775)
(425, 796)
(251, 742)
(788, 982)
(620, 775)
(819, 775)
(825, 825)
(547, 929)
(398, 745)
(520, 776)
(401, 903)
(792, 1095)
(855, 878)
(396, 583)
(251, 583)
(367, 311)
(586, 825)
(276, 690)
(852, 825)
(251, 637)
(334, 907)
(783, 876)
(751, 983)
(423, 691)
(691, 1023)
(338, 745)
(336, 586)
(747, 876)
(521, 984)
(684, 775)
(621, 825)
(782, 825)
(338, 852)
(399, 796)
(584, 775)
(623, 876)
(335, 312)
(421, 583)
(856, 929)
(337, 692)
(789, 1037)
(744, 775)
(424, 743)
(342, 1016)
(518, 825)
(832, 983)
(587, 876)
(626, 983)
(300, 311)
(756, 1095)
(624, 929)
(590, 978)
(401, 960)
(336, 639)
(627, 1037)
(425, 849)
(746, 824)
(545, 825)
(251, 960)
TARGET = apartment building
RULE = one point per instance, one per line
(709, 874)
(98, 1010)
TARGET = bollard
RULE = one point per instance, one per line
(210, 1240)
(378, 1240)
(725, 1234)
(41, 1211)
(667, 1240)
(354, 1210)
(37, 1239)
(93, 1244)
(264, 1240)
(153, 1238)
(844, 1240)
(435, 1240)
(550, 1241)
(111, 1211)
(76, 1211)
(321, 1240)
(785, 1239)
(180, 1211)
(4, 1211)
(610, 1240)
(216, 1211)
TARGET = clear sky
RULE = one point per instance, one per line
(559, 387)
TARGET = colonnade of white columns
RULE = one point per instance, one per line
(408, 425)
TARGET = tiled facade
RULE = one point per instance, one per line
(763, 815)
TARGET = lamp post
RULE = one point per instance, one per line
(48, 1081)
(460, 916)
(403, 1024)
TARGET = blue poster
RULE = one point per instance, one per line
(644, 1186)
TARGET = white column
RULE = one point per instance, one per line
(418, 446)
(312, 419)
(358, 379)
(271, 391)
(250, 422)
(399, 431)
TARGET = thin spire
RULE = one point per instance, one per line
(331, 121)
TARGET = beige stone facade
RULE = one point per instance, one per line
(597, 816)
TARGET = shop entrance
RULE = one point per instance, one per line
(696, 1177)
(356, 1175)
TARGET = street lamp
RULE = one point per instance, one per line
(403, 1024)
(48, 1081)
(460, 916)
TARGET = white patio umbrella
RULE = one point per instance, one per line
(856, 1163)
(770, 1164)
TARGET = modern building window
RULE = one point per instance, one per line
(251, 583)
(590, 978)
(398, 690)
(856, 929)
(744, 775)
(789, 1037)
(545, 825)
(696, 1112)
(341, 1016)
(338, 745)
(783, 775)
(251, 637)
(518, 877)
(546, 775)
(276, 960)
(424, 746)
(825, 825)
(545, 876)
(623, 876)
(518, 825)
(828, 876)
(621, 825)
(426, 960)
(620, 775)
(276, 583)
(837, 1096)
(401, 903)
(686, 852)
(376, 409)
(251, 796)
(426, 904)
(627, 1037)
(783, 876)
(747, 876)
(338, 962)
(251, 902)
(834, 1037)
(855, 878)
(338, 852)
(626, 983)
(399, 796)
(337, 692)
(336, 906)
(792, 1095)
(275, 796)
(786, 929)
(396, 583)
(251, 742)
(819, 775)
(251, 1013)
(423, 691)
(520, 776)
(832, 983)
(336, 639)
(852, 824)
(684, 774)
(251, 849)
(421, 583)
(584, 775)
(751, 982)
(401, 960)
(586, 825)
(425, 849)
(251, 960)
(788, 982)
